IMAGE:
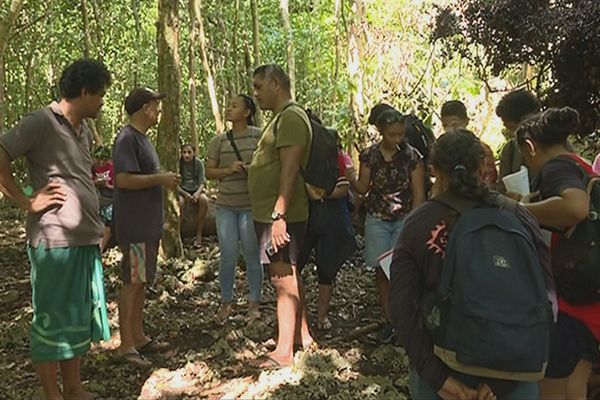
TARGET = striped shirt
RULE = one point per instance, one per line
(233, 189)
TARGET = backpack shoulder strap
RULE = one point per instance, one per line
(293, 103)
(229, 135)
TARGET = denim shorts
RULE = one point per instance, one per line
(380, 236)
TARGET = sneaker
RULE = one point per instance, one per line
(385, 334)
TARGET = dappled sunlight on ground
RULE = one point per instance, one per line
(207, 360)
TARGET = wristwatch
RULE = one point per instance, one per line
(276, 216)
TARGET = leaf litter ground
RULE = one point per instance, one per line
(208, 360)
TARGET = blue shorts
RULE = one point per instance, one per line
(380, 236)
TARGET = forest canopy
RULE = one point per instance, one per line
(344, 56)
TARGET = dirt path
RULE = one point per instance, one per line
(207, 360)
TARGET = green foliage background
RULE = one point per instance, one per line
(400, 64)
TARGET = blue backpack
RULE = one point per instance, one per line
(494, 313)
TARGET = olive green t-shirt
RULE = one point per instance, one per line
(233, 189)
(293, 129)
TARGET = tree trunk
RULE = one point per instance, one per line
(135, 7)
(5, 28)
(234, 44)
(210, 83)
(87, 50)
(256, 50)
(169, 76)
(289, 39)
(255, 32)
(355, 73)
(338, 47)
(192, 73)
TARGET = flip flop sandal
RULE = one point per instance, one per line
(153, 346)
(267, 363)
(134, 358)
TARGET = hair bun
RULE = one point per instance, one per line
(567, 118)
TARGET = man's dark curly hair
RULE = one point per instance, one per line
(88, 74)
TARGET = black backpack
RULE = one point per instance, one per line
(576, 256)
(321, 171)
(419, 136)
(494, 314)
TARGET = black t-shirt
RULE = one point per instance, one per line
(138, 214)
(416, 270)
(558, 175)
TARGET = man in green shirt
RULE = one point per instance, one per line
(280, 207)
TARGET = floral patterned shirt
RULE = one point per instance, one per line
(390, 193)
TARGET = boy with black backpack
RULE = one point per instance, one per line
(471, 287)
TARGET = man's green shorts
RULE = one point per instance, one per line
(69, 307)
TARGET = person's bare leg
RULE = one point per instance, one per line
(302, 332)
(553, 389)
(72, 387)
(139, 338)
(126, 306)
(105, 238)
(325, 294)
(46, 372)
(286, 288)
(578, 381)
(202, 211)
(383, 288)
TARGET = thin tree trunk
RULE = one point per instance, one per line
(169, 76)
(210, 83)
(87, 47)
(338, 47)
(192, 73)
(135, 8)
(291, 62)
(5, 28)
(355, 74)
(255, 32)
(256, 50)
(234, 44)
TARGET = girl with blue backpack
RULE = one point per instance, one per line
(471, 287)
(564, 204)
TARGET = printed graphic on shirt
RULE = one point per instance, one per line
(438, 239)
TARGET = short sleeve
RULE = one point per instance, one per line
(414, 158)
(365, 156)
(125, 155)
(201, 177)
(558, 176)
(292, 130)
(596, 166)
(22, 138)
(213, 150)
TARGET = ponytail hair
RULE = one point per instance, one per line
(550, 127)
(459, 156)
(250, 106)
